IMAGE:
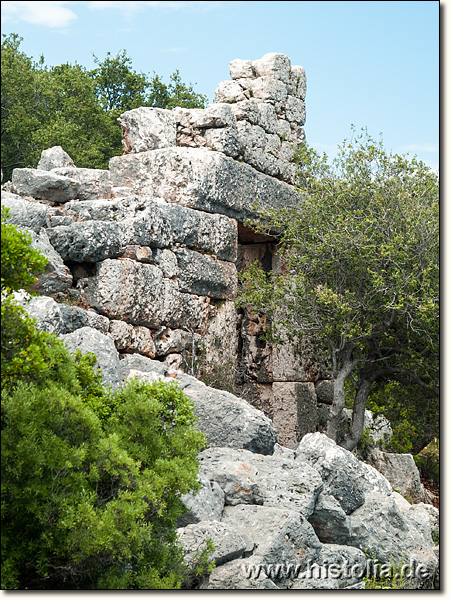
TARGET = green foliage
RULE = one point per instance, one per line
(91, 480)
(359, 270)
(20, 263)
(69, 106)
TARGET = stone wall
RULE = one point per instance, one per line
(149, 250)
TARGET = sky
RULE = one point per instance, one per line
(370, 64)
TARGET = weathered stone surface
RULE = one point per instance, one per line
(401, 472)
(54, 158)
(88, 339)
(56, 276)
(380, 528)
(201, 179)
(295, 110)
(140, 294)
(24, 213)
(224, 140)
(230, 91)
(52, 316)
(229, 544)
(297, 83)
(284, 411)
(424, 517)
(345, 477)
(273, 64)
(205, 276)
(330, 522)
(132, 339)
(306, 408)
(213, 116)
(280, 535)
(324, 392)
(315, 578)
(225, 420)
(168, 340)
(248, 478)
(349, 564)
(45, 185)
(283, 452)
(235, 576)
(147, 128)
(206, 505)
(94, 183)
(241, 68)
(92, 231)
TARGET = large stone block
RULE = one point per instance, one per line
(54, 158)
(203, 275)
(56, 276)
(248, 478)
(147, 128)
(401, 472)
(140, 294)
(201, 179)
(94, 183)
(24, 213)
(93, 231)
(45, 185)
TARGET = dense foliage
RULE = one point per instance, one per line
(70, 106)
(91, 479)
(359, 276)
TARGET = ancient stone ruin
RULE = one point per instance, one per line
(143, 270)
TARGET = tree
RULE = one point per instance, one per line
(360, 264)
(91, 480)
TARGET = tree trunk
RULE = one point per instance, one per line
(338, 405)
(359, 407)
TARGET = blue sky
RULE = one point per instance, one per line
(371, 64)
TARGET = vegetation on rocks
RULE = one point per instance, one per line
(70, 106)
(91, 480)
(359, 275)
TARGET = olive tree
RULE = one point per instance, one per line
(359, 275)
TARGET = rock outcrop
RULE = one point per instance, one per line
(143, 271)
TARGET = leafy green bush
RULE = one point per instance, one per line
(91, 480)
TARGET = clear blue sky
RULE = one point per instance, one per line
(373, 64)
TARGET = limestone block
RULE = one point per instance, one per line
(56, 277)
(214, 115)
(280, 535)
(248, 478)
(274, 65)
(139, 294)
(132, 339)
(401, 472)
(168, 340)
(230, 91)
(203, 180)
(241, 68)
(298, 400)
(284, 411)
(228, 543)
(94, 231)
(330, 522)
(45, 185)
(94, 183)
(345, 478)
(295, 110)
(351, 560)
(325, 391)
(232, 576)
(147, 128)
(224, 140)
(268, 89)
(87, 339)
(205, 276)
(205, 505)
(297, 82)
(24, 213)
(54, 158)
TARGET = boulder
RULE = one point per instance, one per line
(88, 339)
(45, 185)
(380, 529)
(345, 478)
(281, 537)
(225, 420)
(54, 158)
(205, 505)
(24, 213)
(345, 564)
(248, 478)
(228, 543)
(329, 521)
(401, 472)
(203, 180)
(147, 128)
(237, 575)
